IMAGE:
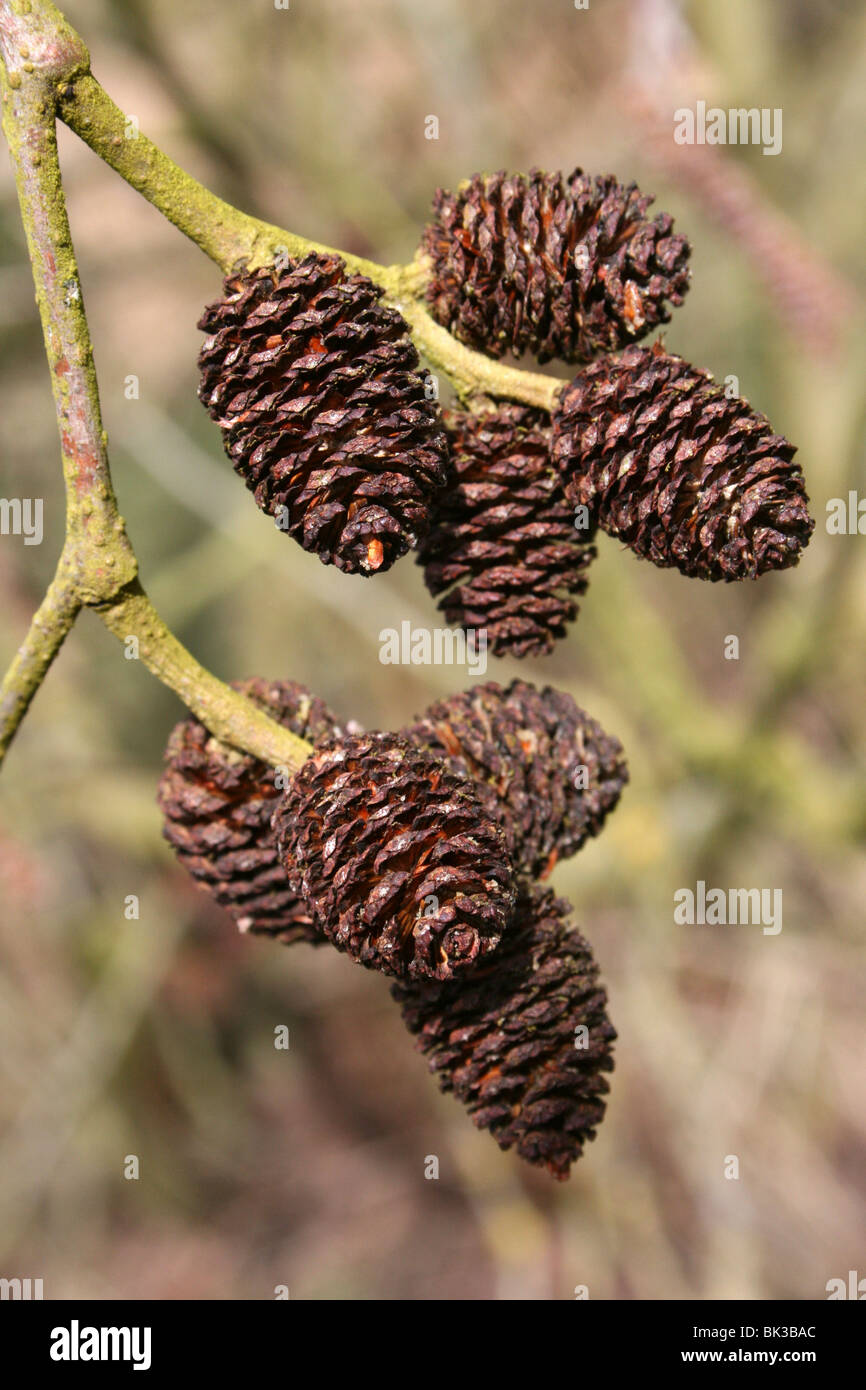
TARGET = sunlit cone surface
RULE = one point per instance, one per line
(678, 471)
(546, 770)
(396, 857)
(523, 1039)
(549, 265)
(324, 412)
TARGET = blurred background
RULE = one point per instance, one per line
(154, 1037)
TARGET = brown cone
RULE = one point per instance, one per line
(218, 806)
(679, 472)
(503, 547)
(544, 769)
(395, 857)
(504, 1037)
(323, 410)
(553, 266)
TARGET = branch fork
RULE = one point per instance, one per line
(45, 75)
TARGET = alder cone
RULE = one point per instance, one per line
(554, 266)
(683, 475)
(546, 771)
(218, 804)
(503, 1037)
(324, 413)
(502, 547)
(395, 857)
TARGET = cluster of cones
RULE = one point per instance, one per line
(329, 419)
(420, 854)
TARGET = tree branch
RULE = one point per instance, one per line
(98, 552)
(98, 567)
(230, 717)
(48, 74)
(471, 373)
(232, 238)
(51, 622)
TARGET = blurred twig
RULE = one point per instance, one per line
(73, 1075)
(663, 68)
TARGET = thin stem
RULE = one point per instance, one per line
(230, 717)
(51, 622)
(229, 237)
(232, 238)
(98, 554)
(48, 73)
(42, 55)
(470, 373)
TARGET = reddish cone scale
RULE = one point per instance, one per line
(218, 804)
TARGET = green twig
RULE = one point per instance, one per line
(47, 73)
(51, 622)
(229, 716)
(98, 553)
(41, 56)
(470, 373)
(232, 238)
